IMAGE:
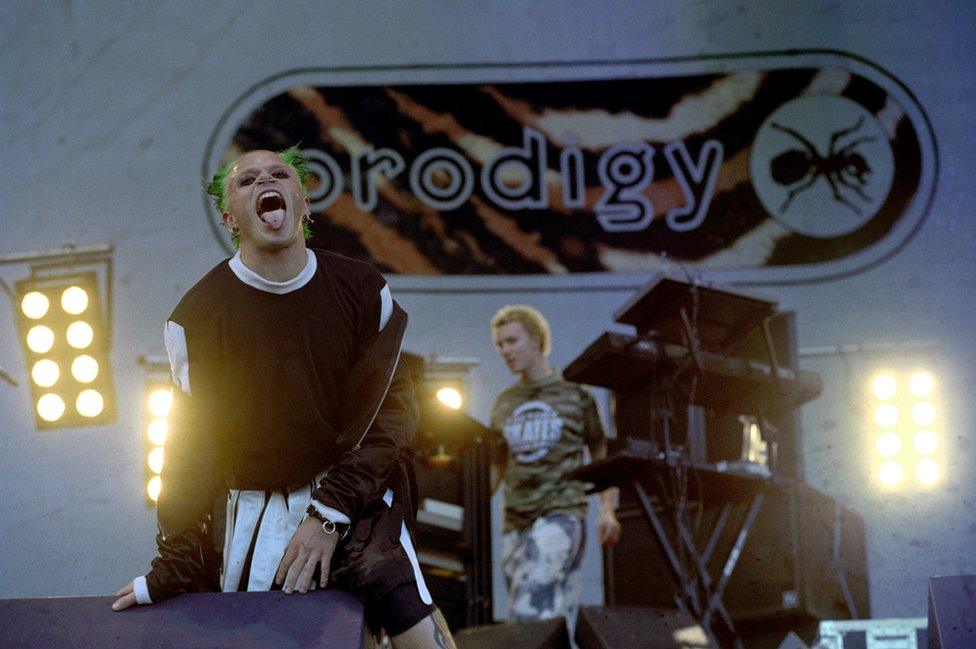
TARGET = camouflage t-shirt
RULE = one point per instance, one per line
(539, 429)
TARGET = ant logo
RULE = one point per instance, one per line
(846, 167)
(801, 185)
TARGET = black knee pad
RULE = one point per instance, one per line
(400, 609)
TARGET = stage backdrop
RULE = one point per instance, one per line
(114, 113)
(802, 165)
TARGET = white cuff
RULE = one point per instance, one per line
(141, 590)
(332, 514)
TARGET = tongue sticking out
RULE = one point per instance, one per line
(271, 209)
(273, 219)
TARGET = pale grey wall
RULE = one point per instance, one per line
(105, 110)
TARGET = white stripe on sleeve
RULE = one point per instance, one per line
(407, 544)
(179, 362)
(386, 305)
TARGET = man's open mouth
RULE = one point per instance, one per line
(271, 209)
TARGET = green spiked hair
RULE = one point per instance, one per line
(292, 156)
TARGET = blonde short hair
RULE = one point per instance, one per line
(530, 318)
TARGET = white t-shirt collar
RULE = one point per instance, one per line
(254, 280)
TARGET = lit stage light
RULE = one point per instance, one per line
(891, 473)
(153, 487)
(160, 402)
(158, 430)
(886, 415)
(79, 334)
(926, 442)
(50, 407)
(921, 384)
(84, 368)
(450, 397)
(35, 305)
(443, 391)
(74, 300)
(155, 460)
(60, 314)
(45, 373)
(927, 471)
(923, 413)
(889, 444)
(40, 339)
(90, 403)
(884, 386)
(158, 408)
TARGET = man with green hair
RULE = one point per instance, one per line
(540, 426)
(293, 420)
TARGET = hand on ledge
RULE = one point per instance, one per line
(126, 598)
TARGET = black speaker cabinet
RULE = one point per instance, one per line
(542, 634)
(786, 569)
(636, 627)
(952, 612)
(635, 572)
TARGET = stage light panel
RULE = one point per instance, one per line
(908, 445)
(158, 406)
(59, 315)
(884, 386)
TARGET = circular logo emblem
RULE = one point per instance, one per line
(822, 165)
(532, 430)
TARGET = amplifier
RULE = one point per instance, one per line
(907, 633)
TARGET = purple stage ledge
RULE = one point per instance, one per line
(329, 618)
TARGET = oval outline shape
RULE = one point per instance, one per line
(882, 250)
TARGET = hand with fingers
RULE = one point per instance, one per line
(311, 545)
(126, 597)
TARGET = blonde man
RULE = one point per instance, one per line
(540, 426)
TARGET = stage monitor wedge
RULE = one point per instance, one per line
(637, 627)
(952, 612)
(537, 634)
(329, 618)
